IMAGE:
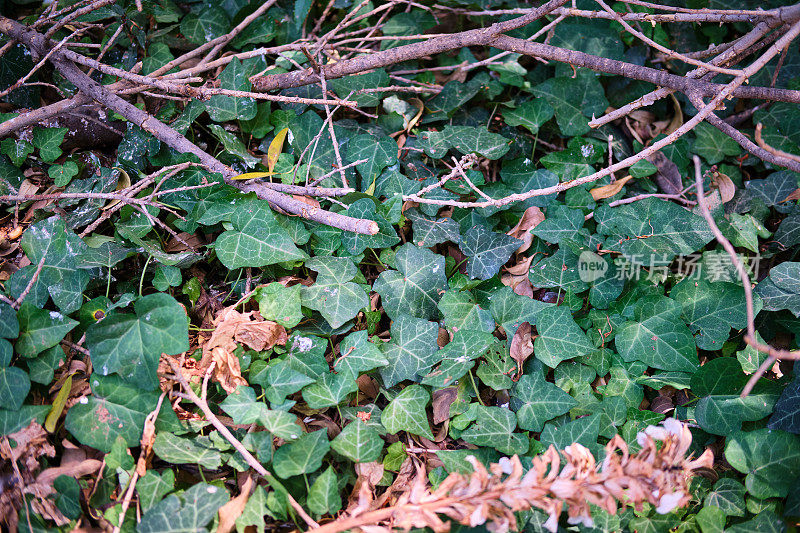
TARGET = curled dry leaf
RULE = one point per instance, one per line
(232, 328)
(521, 346)
(232, 510)
(607, 191)
(522, 231)
(725, 186)
(442, 400)
(517, 277)
(668, 177)
(657, 474)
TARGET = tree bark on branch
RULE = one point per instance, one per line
(39, 44)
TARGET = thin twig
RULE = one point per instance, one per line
(773, 354)
(18, 302)
(225, 432)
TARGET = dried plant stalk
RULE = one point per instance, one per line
(658, 474)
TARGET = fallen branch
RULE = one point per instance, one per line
(175, 140)
(436, 45)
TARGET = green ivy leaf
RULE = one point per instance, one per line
(728, 496)
(412, 350)
(257, 240)
(152, 487)
(9, 325)
(531, 114)
(494, 427)
(460, 311)
(406, 412)
(358, 442)
(323, 496)
(416, 286)
(560, 338)
(131, 344)
(302, 456)
(510, 310)
(191, 511)
(358, 354)
(652, 229)
(198, 450)
(657, 336)
(712, 309)
(380, 153)
(40, 329)
(464, 139)
(63, 276)
(429, 231)
(14, 387)
(334, 295)
(48, 141)
(713, 145)
(769, 458)
(487, 251)
(536, 401)
(115, 409)
(574, 100)
(279, 303)
(458, 356)
(329, 391)
(356, 243)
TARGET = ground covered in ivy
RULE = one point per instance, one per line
(454, 331)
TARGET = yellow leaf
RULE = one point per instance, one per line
(607, 191)
(253, 175)
(58, 405)
(275, 148)
(123, 182)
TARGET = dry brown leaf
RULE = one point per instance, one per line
(442, 400)
(668, 176)
(522, 346)
(522, 267)
(725, 186)
(230, 328)
(677, 117)
(232, 510)
(30, 443)
(44, 481)
(607, 191)
(306, 200)
(530, 219)
(363, 495)
(794, 195)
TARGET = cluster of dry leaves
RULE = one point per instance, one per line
(22, 451)
(658, 474)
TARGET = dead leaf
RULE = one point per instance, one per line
(362, 495)
(123, 182)
(30, 444)
(230, 328)
(443, 338)
(522, 346)
(607, 191)
(530, 219)
(442, 400)
(725, 185)
(668, 177)
(677, 118)
(522, 267)
(44, 481)
(794, 195)
(306, 200)
(232, 510)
